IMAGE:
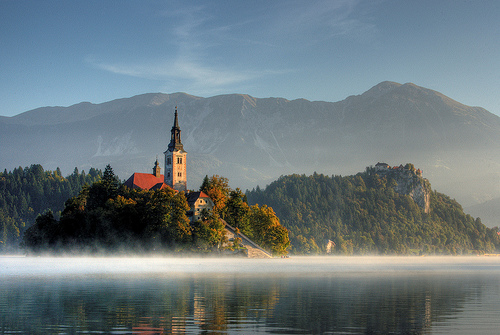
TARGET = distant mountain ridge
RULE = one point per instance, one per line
(253, 141)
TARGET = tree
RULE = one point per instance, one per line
(277, 240)
(26, 193)
(179, 229)
(10, 233)
(111, 182)
(205, 184)
(267, 229)
(364, 214)
(42, 234)
(102, 191)
(217, 188)
(209, 234)
(237, 211)
(410, 166)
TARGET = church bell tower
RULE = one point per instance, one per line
(175, 159)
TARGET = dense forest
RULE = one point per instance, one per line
(360, 214)
(108, 217)
(27, 192)
(363, 214)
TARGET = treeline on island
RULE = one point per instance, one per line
(360, 214)
(110, 217)
(27, 192)
(363, 214)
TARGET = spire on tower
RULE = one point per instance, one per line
(156, 168)
(176, 121)
(175, 139)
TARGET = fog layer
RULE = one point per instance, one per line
(61, 266)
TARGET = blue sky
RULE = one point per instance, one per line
(58, 53)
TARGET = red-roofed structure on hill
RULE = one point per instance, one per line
(198, 201)
(175, 176)
(147, 181)
(175, 167)
(144, 181)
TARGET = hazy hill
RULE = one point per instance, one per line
(488, 211)
(373, 212)
(253, 141)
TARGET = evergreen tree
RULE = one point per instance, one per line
(205, 184)
(30, 191)
(237, 211)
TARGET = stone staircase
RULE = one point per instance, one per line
(253, 249)
(256, 253)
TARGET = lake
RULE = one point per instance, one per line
(298, 295)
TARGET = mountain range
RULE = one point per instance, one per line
(252, 141)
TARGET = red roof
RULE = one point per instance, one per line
(161, 186)
(145, 181)
(193, 196)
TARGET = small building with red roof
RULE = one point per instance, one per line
(198, 201)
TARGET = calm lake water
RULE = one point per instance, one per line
(317, 295)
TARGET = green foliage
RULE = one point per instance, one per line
(103, 217)
(259, 224)
(26, 193)
(363, 214)
(217, 188)
(238, 212)
(205, 184)
(179, 229)
(41, 234)
(267, 229)
(208, 235)
(107, 216)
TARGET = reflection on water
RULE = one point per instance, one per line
(206, 296)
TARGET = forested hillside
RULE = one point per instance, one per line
(364, 214)
(27, 192)
(107, 217)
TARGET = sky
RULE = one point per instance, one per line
(59, 53)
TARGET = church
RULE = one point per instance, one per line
(175, 176)
(175, 166)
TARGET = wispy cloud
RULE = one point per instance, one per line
(197, 74)
(196, 31)
(326, 20)
(186, 64)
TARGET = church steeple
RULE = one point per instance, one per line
(175, 159)
(157, 169)
(175, 138)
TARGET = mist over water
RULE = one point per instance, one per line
(49, 266)
(299, 295)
